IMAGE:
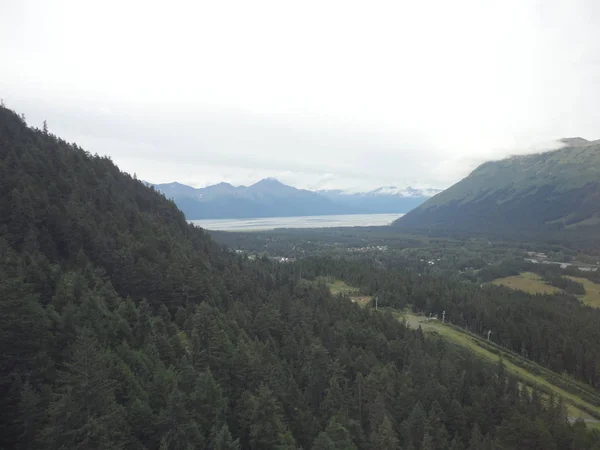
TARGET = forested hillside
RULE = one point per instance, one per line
(547, 191)
(122, 326)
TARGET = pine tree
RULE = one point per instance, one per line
(457, 444)
(22, 339)
(377, 413)
(427, 443)
(211, 347)
(476, 441)
(385, 438)
(339, 435)
(222, 439)
(416, 424)
(267, 430)
(441, 436)
(32, 416)
(143, 328)
(457, 421)
(142, 423)
(84, 412)
(207, 404)
(181, 431)
(536, 401)
(334, 401)
(317, 372)
(323, 442)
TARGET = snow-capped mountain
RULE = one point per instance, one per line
(388, 190)
(271, 198)
(405, 192)
(386, 199)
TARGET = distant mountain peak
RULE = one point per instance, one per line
(269, 181)
(272, 186)
(574, 141)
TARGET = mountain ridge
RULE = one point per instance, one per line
(550, 190)
(270, 197)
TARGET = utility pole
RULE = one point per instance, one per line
(376, 299)
(489, 332)
(443, 316)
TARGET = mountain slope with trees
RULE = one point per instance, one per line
(547, 191)
(122, 326)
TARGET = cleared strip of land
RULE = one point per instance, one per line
(572, 391)
(581, 400)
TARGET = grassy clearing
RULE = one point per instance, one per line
(577, 406)
(534, 284)
(592, 292)
(339, 287)
(529, 282)
(361, 300)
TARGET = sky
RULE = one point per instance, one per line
(319, 94)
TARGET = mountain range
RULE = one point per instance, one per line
(271, 198)
(558, 189)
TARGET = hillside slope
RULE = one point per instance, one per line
(552, 190)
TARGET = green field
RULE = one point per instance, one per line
(337, 286)
(526, 371)
(532, 283)
(529, 282)
(592, 292)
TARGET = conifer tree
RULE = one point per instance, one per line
(222, 439)
(84, 412)
(385, 438)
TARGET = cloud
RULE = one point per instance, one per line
(320, 94)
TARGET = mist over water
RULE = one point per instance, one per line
(270, 223)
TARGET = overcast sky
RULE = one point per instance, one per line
(320, 94)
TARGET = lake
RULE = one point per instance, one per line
(270, 223)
